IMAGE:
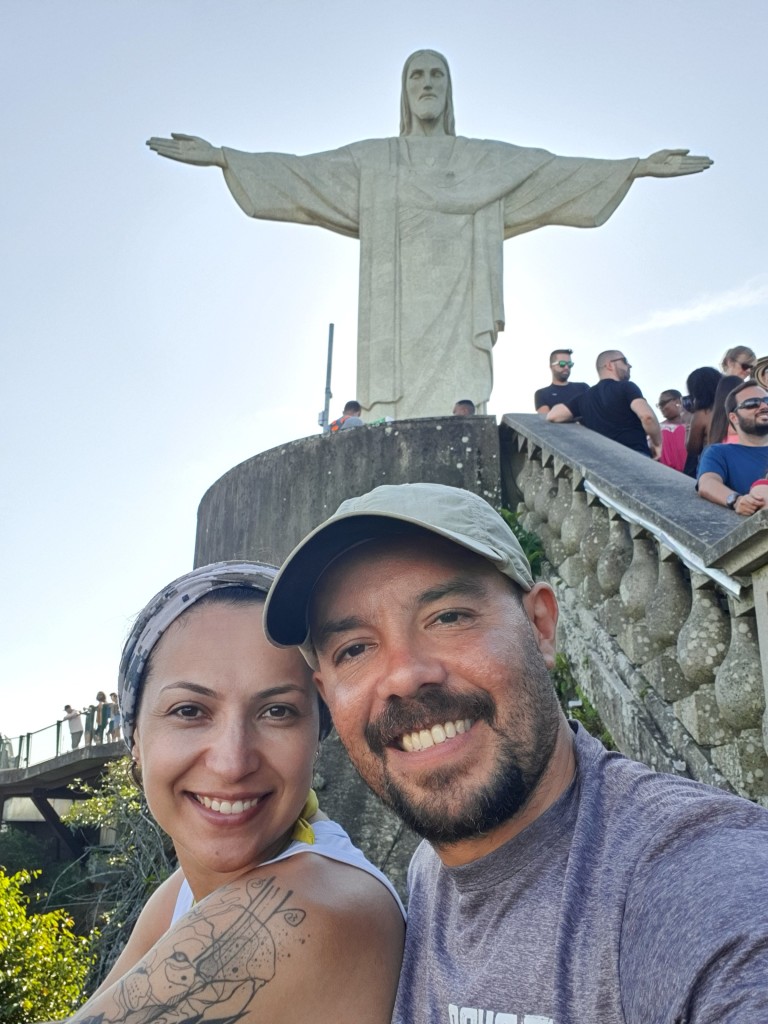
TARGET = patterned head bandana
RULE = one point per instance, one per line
(165, 608)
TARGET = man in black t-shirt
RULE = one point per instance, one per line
(560, 390)
(614, 407)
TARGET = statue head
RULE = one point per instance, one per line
(406, 114)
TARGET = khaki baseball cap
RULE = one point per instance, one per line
(458, 515)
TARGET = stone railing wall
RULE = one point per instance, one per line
(664, 600)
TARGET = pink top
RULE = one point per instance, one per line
(673, 451)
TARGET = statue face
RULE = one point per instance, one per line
(426, 85)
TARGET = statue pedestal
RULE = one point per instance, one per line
(262, 508)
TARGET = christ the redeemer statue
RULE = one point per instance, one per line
(431, 211)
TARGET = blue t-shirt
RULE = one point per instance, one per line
(737, 465)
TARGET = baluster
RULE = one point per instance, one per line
(611, 565)
(739, 679)
(592, 544)
(615, 557)
(530, 520)
(558, 510)
(667, 611)
(636, 589)
(706, 633)
(574, 527)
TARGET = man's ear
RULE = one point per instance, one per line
(317, 679)
(540, 606)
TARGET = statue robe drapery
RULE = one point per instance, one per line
(431, 214)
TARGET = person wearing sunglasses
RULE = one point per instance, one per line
(728, 471)
(614, 407)
(561, 389)
(739, 361)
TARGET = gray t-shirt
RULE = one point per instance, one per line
(637, 898)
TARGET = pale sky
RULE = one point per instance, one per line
(154, 337)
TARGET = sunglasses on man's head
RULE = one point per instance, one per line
(753, 403)
(562, 362)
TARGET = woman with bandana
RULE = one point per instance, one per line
(272, 915)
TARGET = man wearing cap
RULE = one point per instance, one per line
(558, 883)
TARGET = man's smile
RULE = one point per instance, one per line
(421, 739)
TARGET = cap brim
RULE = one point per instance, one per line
(286, 612)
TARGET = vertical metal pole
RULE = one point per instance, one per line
(328, 394)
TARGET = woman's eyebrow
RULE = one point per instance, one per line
(206, 691)
(182, 684)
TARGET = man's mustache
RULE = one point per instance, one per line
(435, 704)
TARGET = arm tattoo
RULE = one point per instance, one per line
(209, 968)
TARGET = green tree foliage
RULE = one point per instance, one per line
(575, 704)
(21, 850)
(529, 542)
(43, 964)
(126, 872)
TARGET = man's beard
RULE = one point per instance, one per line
(752, 426)
(517, 771)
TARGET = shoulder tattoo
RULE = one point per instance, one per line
(209, 967)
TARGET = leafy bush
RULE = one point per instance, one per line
(23, 851)
(529, 542)
(43, 964)
(575, 704)
(126, 873)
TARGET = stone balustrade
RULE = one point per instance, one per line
(664, 599)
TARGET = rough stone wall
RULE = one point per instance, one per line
(262, 508)
(658, 594)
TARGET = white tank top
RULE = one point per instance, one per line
(331, 841)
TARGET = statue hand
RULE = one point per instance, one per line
(189, 149)
(670, 163)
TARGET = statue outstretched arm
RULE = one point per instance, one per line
(670, 163)
(188, 149)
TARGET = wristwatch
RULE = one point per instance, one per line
(731, 500)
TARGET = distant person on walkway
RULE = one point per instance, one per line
(561, 390)
(349, 418)
(101, 717)
(614, 407)
(674, 429)
(728, 471)
(90, 724)
(114, 718)
(464, 407)
(739, 362)
(75, 723)
(702, 385)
